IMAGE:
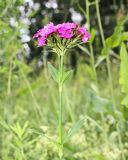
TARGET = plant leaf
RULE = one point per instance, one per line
(115, 39)
(43, 135)
(123, 80)
(4, 125)
(84, 49)
(125, 36)
(67, 75)
(74, 130)
(101, 105)
(93, 33)
(53, 71)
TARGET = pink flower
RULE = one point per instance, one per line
(65, 30)
(46, 31)
(81, 30)
(41, 41)
(43, 33)
(84, 33)
(86, 36)
(65, 33)
(67, 25)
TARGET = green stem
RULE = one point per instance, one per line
(60, 127)
(99, 22)
(22, 153)
(90, 45)
(110, 77)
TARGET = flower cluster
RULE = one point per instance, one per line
(64, 31)
(43, 33)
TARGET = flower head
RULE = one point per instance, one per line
(65, 30)
(43, 33)
(46, 31)
(41, 41)
(84, 34)
(62, 31)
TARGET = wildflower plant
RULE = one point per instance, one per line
(60, 38)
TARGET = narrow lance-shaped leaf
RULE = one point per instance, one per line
(67, 75)
(124, 73)
(4, 125)
(43, 135)
(84, 49)
(124, 68)
(93, 33)
(74, 130)
(53, 71)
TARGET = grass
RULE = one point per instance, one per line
(80, 100)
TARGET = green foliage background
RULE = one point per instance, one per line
(28, 95)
